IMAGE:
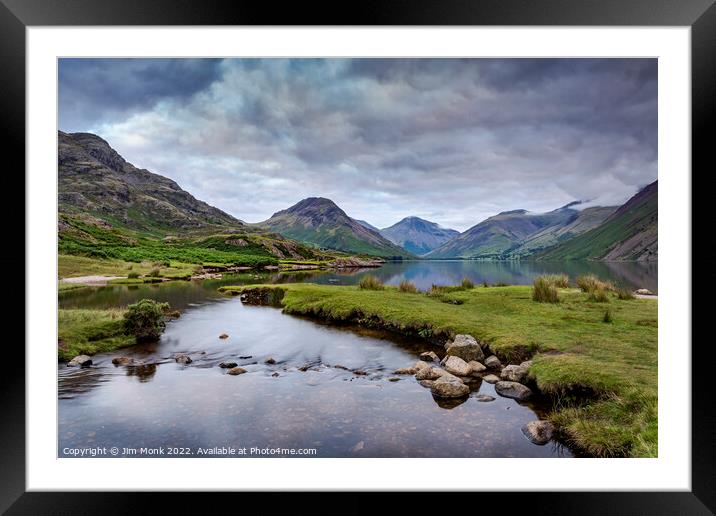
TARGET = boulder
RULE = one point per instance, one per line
(223, 336)
(512, 390)
(429, 373)
(493, 362)
(405, 370)
(182, 358)
(491, 378)
(228, 365)
(123, 361)
(514, 373)
(465, 347)
(429, 356)
(420, 365)
(449, 387)
(426, 383)
(476, 367)
(539, 432)
(236, 370)
(456, 365)
(526, 364)
(80, 360)
(644, 292)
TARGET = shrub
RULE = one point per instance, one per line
(467, 284)
(625, 294)
(370, 282)
(590, 282)
(145, 319)
(133, 275)
(558, 280)
(407, 286)
(598, 295)
(607, 316)
(543, 291)
(154, 273)
(485, 283)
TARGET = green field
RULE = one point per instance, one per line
(601, 375)
(86, 332)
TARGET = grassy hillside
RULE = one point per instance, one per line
(603, 374)
(630, 233)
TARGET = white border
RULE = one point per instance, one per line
(671, 471)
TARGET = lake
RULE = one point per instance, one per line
(329, 389)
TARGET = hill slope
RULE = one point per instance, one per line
(417, 235)
(495, 236)
(630, 233)
(94, 179)
(321, 222)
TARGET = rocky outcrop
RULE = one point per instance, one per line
(80, 360)
(465, 347)
(449, 386)
(513, 390)
(539, 432)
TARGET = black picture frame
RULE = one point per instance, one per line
(700, 15)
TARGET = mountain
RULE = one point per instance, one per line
(367, 225)
(562, 231)
(630, 233)
(417, 235)
(496, 236)
(321, 222)
(93, 179)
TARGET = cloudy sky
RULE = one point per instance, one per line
(453, 141)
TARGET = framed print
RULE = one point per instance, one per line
(265, 254)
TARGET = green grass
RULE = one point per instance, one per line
(86, 332)
(603, 377)
(544, 290)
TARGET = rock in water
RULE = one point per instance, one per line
(429, 373)
(236, 371)
(405, 370)
(475, 367)
(122, 361)
(228, 365)
(513, 390)
(449, 386)
(514, 373)
(539, 432)
(491, 378)
(270, 360)
(80, 360)
(181, 358)
(429, 356)
(484, 398)
(223, 336)
(420, 365)
(465, 347)
(426, 383)
(493, 362)
(456, 366)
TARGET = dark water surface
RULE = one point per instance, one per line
(330, 409)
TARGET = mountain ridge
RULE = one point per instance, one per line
(418, 236)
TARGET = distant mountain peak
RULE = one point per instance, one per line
(419, 236)
(513, 212)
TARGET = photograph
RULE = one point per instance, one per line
(358, 257)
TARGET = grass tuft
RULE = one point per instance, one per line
(598, 296)
(590, 282)
(544, 291)
(407, 286)
(607, 316)
(625, 294)
(467, 284)
(370, 282)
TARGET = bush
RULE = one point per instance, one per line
(133, 275)
(558, 280)
(598, 295)
(625, 294)
(543, 291)
(370, 282)
(145, 319)
(485, 283)
(154, 273)
(407, 286)
(607, 316)
(467, 284)
(590, 282)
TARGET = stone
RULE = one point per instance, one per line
(393, 379)
(526, 364)
(644, 292)
(493, 362)
(457, 366)
(491, 378)
(236, 371)
(360, 372)
(269, 360)
(426, 383)
(275, 375)
(405, 370)
(449, 387)
(228, 365)
(429, 356)
(514, 373)
(420, 365)
(484, 398)
(539, 432)
(476, 367)
(122, 361)
(80, 360)
(431, 373)
(181, 358)
(465, 347)
(223, 336)
(512, 390)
